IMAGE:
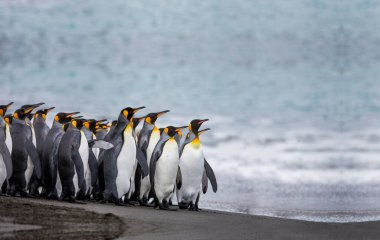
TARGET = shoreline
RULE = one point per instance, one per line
(147, 223)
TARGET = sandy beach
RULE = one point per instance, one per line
(35, 218)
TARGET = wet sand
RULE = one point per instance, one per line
(109, 221)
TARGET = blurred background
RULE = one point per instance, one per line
(291, 88)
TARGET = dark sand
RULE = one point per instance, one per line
(70, 221)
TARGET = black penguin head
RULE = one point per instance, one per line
(63, 118)
(172, 131)
(65, 126)
(101, 127)
(24, 111)
(4, 108)
(196, 124)
(43, 112)
(91, 124)
(151, 118)
(129, 112)
(8, 118)
(77, 123)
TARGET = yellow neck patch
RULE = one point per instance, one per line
(128, 128)
(196, 142)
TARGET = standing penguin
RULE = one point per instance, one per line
(147, 139)
(50, 180)
(70, 163)
(164, 168)
(194, 168)
(5, 156)
(22, 148)
(40, 131)
(119, 163)
(89, 127)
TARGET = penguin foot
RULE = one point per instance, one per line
(4, 195)
(145, 204)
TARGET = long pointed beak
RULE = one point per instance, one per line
(138, 109)
(203, 130)
(49, 109)
(9, 104)
(179, 128)
(202, 121)
(100, 121)
(72, 114)
(159, 114)
(38, 104)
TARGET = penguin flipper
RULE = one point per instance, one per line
(157, 152)
(7, 159)
(142, 162)
(93, 164)
(211, 176)
(78, 164)
(179, 179)
(204, 182)
(100, 144)
(33, 153)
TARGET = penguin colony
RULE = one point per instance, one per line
(80, 159)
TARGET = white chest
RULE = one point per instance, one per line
(8, 139)
(167, 166)
(192, 166)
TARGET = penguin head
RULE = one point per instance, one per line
(151, 118)
(196, 124)
(63, 118)
(101, 127)
(42, 113)
(4, 108)
(24, 111)
(91, 124)
(8, 118)
(77, 123)
(172, 131)
(179, 132)
(129, 112)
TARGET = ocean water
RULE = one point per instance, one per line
(291, 88)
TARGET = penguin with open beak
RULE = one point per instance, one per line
(195, 169)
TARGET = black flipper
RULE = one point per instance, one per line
(204, 182)
(100, 144)
(142, 162)
(179, 179)
(80, 170)
(33, 153)
(153, 160)
(93, 165)
(7, 159)
(211, 176)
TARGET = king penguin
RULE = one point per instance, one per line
(22, 148)
(40, 131)
(194, 168)
(71, 166)
(50, 180)
(119, 162)
(148, 137)
(164, 168)
(5, 154)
